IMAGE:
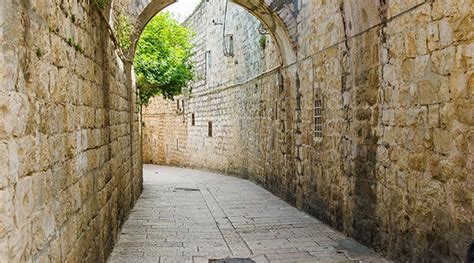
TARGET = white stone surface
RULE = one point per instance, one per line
(187, 215)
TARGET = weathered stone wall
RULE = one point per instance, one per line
(394, 167)
(164, 132)
(70, 153)
(168, 127)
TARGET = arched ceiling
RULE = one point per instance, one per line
(277, 15)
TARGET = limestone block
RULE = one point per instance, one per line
(433, 116)
(9, 70)
(395, 7)
(4, 165)
(417, 162)
(6, 213)
(470, 84)
(361, 15)
(464, 112)
(58, 51)
(422, 66)
(390, 75)
(443, 60)
(447, 111)
(408, 70)
(445, 33)
(26, 151)
(14, 113)
(53, 117)
(43, 229)
(20, 244)
(23, 201)
(59, 79)
(421, 40)
(427, 92)
(464, 28)
(458, 84)
(59, 152)
(447, 8)
(433, 36)
(410, 45)
(44, 150)
(465, 56)
(442, 141)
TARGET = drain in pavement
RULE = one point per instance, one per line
(186, 189)
(231, 260)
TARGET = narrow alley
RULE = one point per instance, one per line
(187, 215)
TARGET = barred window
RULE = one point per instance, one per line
(318, 117)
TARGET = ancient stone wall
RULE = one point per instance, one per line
(393, 167)
(70, 166)
(168, 124)
(164, 132)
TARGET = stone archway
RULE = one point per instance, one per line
(262, 11)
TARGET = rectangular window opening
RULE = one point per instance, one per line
(209, 129)
(318, 118)
(193, 120)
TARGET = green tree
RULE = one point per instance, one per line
(163, 58)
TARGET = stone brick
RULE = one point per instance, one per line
(14, 109)
(464, 113)
(427, 92)
(445, 33)
(443, 60)
(23, 201)
(6, 214)
(4, 165)
(442, 140)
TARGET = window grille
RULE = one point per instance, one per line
(318, 118)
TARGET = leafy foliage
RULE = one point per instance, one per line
(163, 58)
(124, 30)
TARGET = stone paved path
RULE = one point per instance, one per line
(186, 215)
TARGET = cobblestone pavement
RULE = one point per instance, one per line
(186, 215)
